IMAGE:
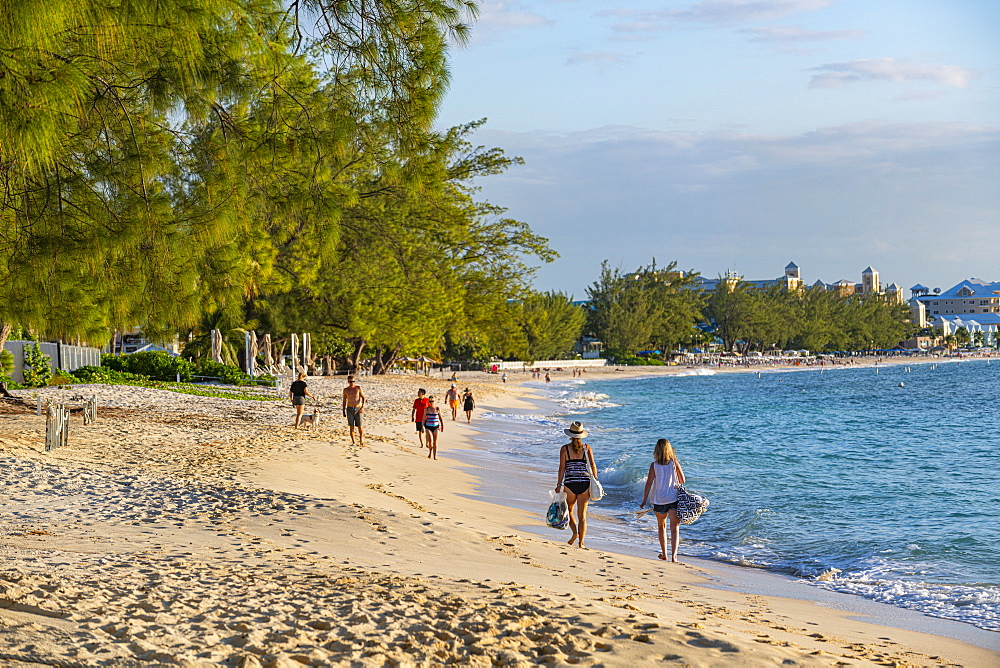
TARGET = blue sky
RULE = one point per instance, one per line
(744, 134)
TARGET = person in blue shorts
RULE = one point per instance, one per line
(664, 477)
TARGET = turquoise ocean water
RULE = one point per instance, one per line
(840, 477)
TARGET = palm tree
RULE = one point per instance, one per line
(198, 343)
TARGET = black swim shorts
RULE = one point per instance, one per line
(353, 416)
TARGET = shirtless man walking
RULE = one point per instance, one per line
(451, 396)
(353, 404)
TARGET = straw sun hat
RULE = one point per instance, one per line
(576, 430)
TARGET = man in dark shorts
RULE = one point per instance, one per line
(417, 414)
(353, 404)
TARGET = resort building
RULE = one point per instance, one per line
(973, 304)
(792, 280)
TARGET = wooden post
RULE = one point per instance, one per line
(56, 427)
(306, 351)
(295, 354)
(90, 411)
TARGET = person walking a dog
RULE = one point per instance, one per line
(353, 404)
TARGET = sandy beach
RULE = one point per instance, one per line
(197, 531)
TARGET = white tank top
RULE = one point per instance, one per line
(665, 483)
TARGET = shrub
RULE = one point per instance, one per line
(37, 371)
(62, 378)
(153, 364)
(634, 360)
(105, 376)
(6, 363)
(230, 375)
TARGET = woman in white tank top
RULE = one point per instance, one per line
(665, 475)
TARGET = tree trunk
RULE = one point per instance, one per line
(355, 361)
(327, 364)
(5, 328)
(385, 359)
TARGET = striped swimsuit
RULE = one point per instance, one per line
(432, 420)
(576, 477)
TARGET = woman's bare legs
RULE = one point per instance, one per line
(581, 511)
(432, 443)
(661, 533)
(298, 414)
(675, 535)
(570, 502)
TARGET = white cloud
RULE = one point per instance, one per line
(796, 34)
(742, 11)
(498, 16)
(638, 24)
(835, 75)
(835, 200)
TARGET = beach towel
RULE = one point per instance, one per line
(558, 515)
(689, 506)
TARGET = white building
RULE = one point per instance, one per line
(973, 304)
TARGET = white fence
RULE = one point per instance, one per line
(547, 364)
(61, 356)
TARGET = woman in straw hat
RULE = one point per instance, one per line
(575, 459)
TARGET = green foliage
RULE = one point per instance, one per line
(6, 364)
(105, 376)
(550, 325)
(635, 360)
(37, 371)
(163, 160)
(151, 364)
(226, 373)
(814, 319)
(62, 378)
(649, 308)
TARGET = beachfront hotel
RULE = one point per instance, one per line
(792, 280)
(973, 304)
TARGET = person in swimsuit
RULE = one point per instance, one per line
(576, 459)
(468, 403)
(297, 393)
(665, 475)
(353, 404)
(432, 423)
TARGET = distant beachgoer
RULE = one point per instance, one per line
(432, 423)
(665, 475)
(468, 403)
(297, 393)
(575, 460)
(548, 378)
(417, 413)
(352, 405)
(454, 377)
(451, 396)
(504, 377)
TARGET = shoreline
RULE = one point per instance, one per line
(201, 531)
(746, 579)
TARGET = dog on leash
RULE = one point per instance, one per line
(311, 421)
